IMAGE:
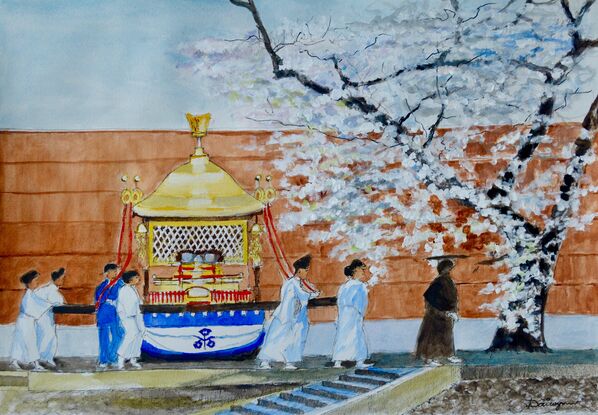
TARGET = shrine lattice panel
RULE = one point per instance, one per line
(167, 239)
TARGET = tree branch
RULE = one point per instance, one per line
(567, 10)
(506, 180)
(477, 12)
(544, 70)
(576, 21)
(438, 63)
(432, 130)
(584, 9)
(274, 57)
(590, 121)
(580, 45)
(283, 44)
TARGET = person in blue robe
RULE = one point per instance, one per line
(110, 332)
(352, 302)
(287, 333)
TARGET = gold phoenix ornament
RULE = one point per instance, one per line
(199, 128)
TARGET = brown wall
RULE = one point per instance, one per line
(59, 206)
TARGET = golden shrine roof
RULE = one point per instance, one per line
(198, 189)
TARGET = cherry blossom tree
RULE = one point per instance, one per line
(386, 105)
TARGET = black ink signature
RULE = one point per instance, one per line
(541, 403)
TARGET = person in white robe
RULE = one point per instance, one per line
(45, 326)
(131, 319)
(288, 329)
(24, 348)
(352, 301)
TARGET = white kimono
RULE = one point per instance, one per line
(287, 333)
(352, 302)
(45, 327)
(24, 343)
(131, 318)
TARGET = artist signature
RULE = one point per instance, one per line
(542, 403)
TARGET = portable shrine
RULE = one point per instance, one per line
(199, 240)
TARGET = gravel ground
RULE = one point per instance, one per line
(516, 396)
(134, 402)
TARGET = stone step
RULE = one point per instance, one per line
(364, 379)
(251, 409)
(296, 405)
(378, 372)
(331, 393)
(350, 386)
(305, 400)
(273, 404)
(349, 390)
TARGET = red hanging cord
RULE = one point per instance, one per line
(130, 240)
(127, 214)
(285, 272)
(122, 233)
(269, 221)
(277, 239)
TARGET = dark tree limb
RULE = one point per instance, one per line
(544, 70)
(477, 12)
(584, 9)
(506, 180)
(432, 130)
(438, 63)
(567, 10)
(590, 121)
(570, 181)
(576, 21)
(277, 61)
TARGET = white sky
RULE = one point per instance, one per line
(85, 65)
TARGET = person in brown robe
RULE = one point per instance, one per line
(435, 339)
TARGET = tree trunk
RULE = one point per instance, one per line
(521, 321)
(548, 247)
(520, 340)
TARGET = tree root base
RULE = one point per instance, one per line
(518, 341)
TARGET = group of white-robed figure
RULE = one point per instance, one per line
(287, 332)
(35, 341)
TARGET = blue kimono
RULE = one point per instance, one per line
(352, 302)
(110, 332)
(287, 333)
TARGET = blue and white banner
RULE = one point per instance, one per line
(203, 335)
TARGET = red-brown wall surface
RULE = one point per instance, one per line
(60, 206)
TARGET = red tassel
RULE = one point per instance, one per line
(270, 219)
